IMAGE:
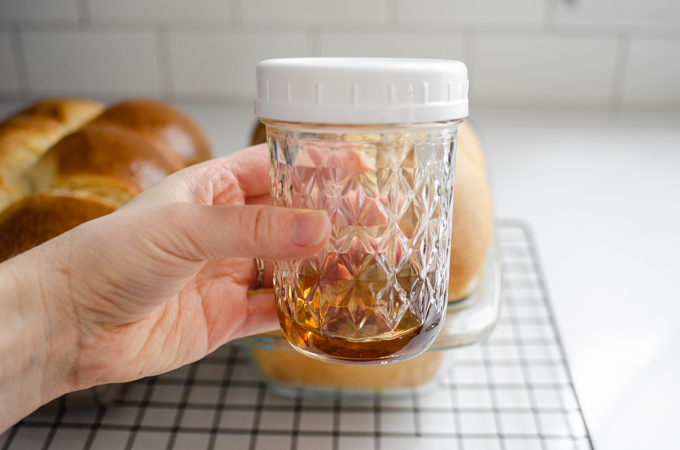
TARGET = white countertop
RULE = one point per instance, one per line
(601, 192)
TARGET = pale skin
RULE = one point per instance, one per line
(158, 284)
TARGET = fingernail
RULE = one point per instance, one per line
(309, 228)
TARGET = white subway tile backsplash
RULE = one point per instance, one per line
(38, 9)
(543, 69)
(315, 11)
(159, 10)
(391, 45)
(472, 12)
(91, 62)
(218, 65)
(530, 52)
(8, 80)
(652, 73)
(620, 14)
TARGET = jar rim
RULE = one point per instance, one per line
(367, 128)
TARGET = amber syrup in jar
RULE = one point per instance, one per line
(407, 340)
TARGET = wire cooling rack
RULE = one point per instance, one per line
(512, 391)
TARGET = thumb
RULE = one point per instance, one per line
(203, 232)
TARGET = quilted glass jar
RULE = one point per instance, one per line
(382, 167)
(468, 321)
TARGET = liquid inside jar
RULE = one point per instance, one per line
(378, 291)
(374, 350)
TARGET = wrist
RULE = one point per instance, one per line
(38, 340)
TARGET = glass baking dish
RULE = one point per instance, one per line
(468, 320)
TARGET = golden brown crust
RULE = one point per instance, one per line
(162, 125)
(472, 227)
(11, 188)
(103, 159)
(470, 144)
(27, 134)
(39, 126)
(24, 138)
(70, 113)
(38, 218)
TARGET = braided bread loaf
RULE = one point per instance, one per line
(28, 134)
(66, 161)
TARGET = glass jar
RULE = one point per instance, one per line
(372, 142)
(468, 321)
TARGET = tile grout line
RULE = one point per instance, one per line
(164, 62)
(83, 10)
(469, 48)
(391, 15)
(550, 16)
(236, 14)
(619, 75)
(313, 36)
(19, 62)
(235, 21)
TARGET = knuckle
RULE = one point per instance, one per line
(261, 226)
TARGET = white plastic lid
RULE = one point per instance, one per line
(361, 90)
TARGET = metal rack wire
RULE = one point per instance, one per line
(513, 391)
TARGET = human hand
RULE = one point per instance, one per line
(164, 280)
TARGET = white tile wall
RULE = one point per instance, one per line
(38, 9)
(315, 12)
(8, 80)
(391, 45)
(91, 62)
(159, 10)
(621, 14)
(222, 65)
(652, 73)
(555, 53)
(472, 12)
(544, 69)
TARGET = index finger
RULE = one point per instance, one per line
(228, 180)
(249, 168)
